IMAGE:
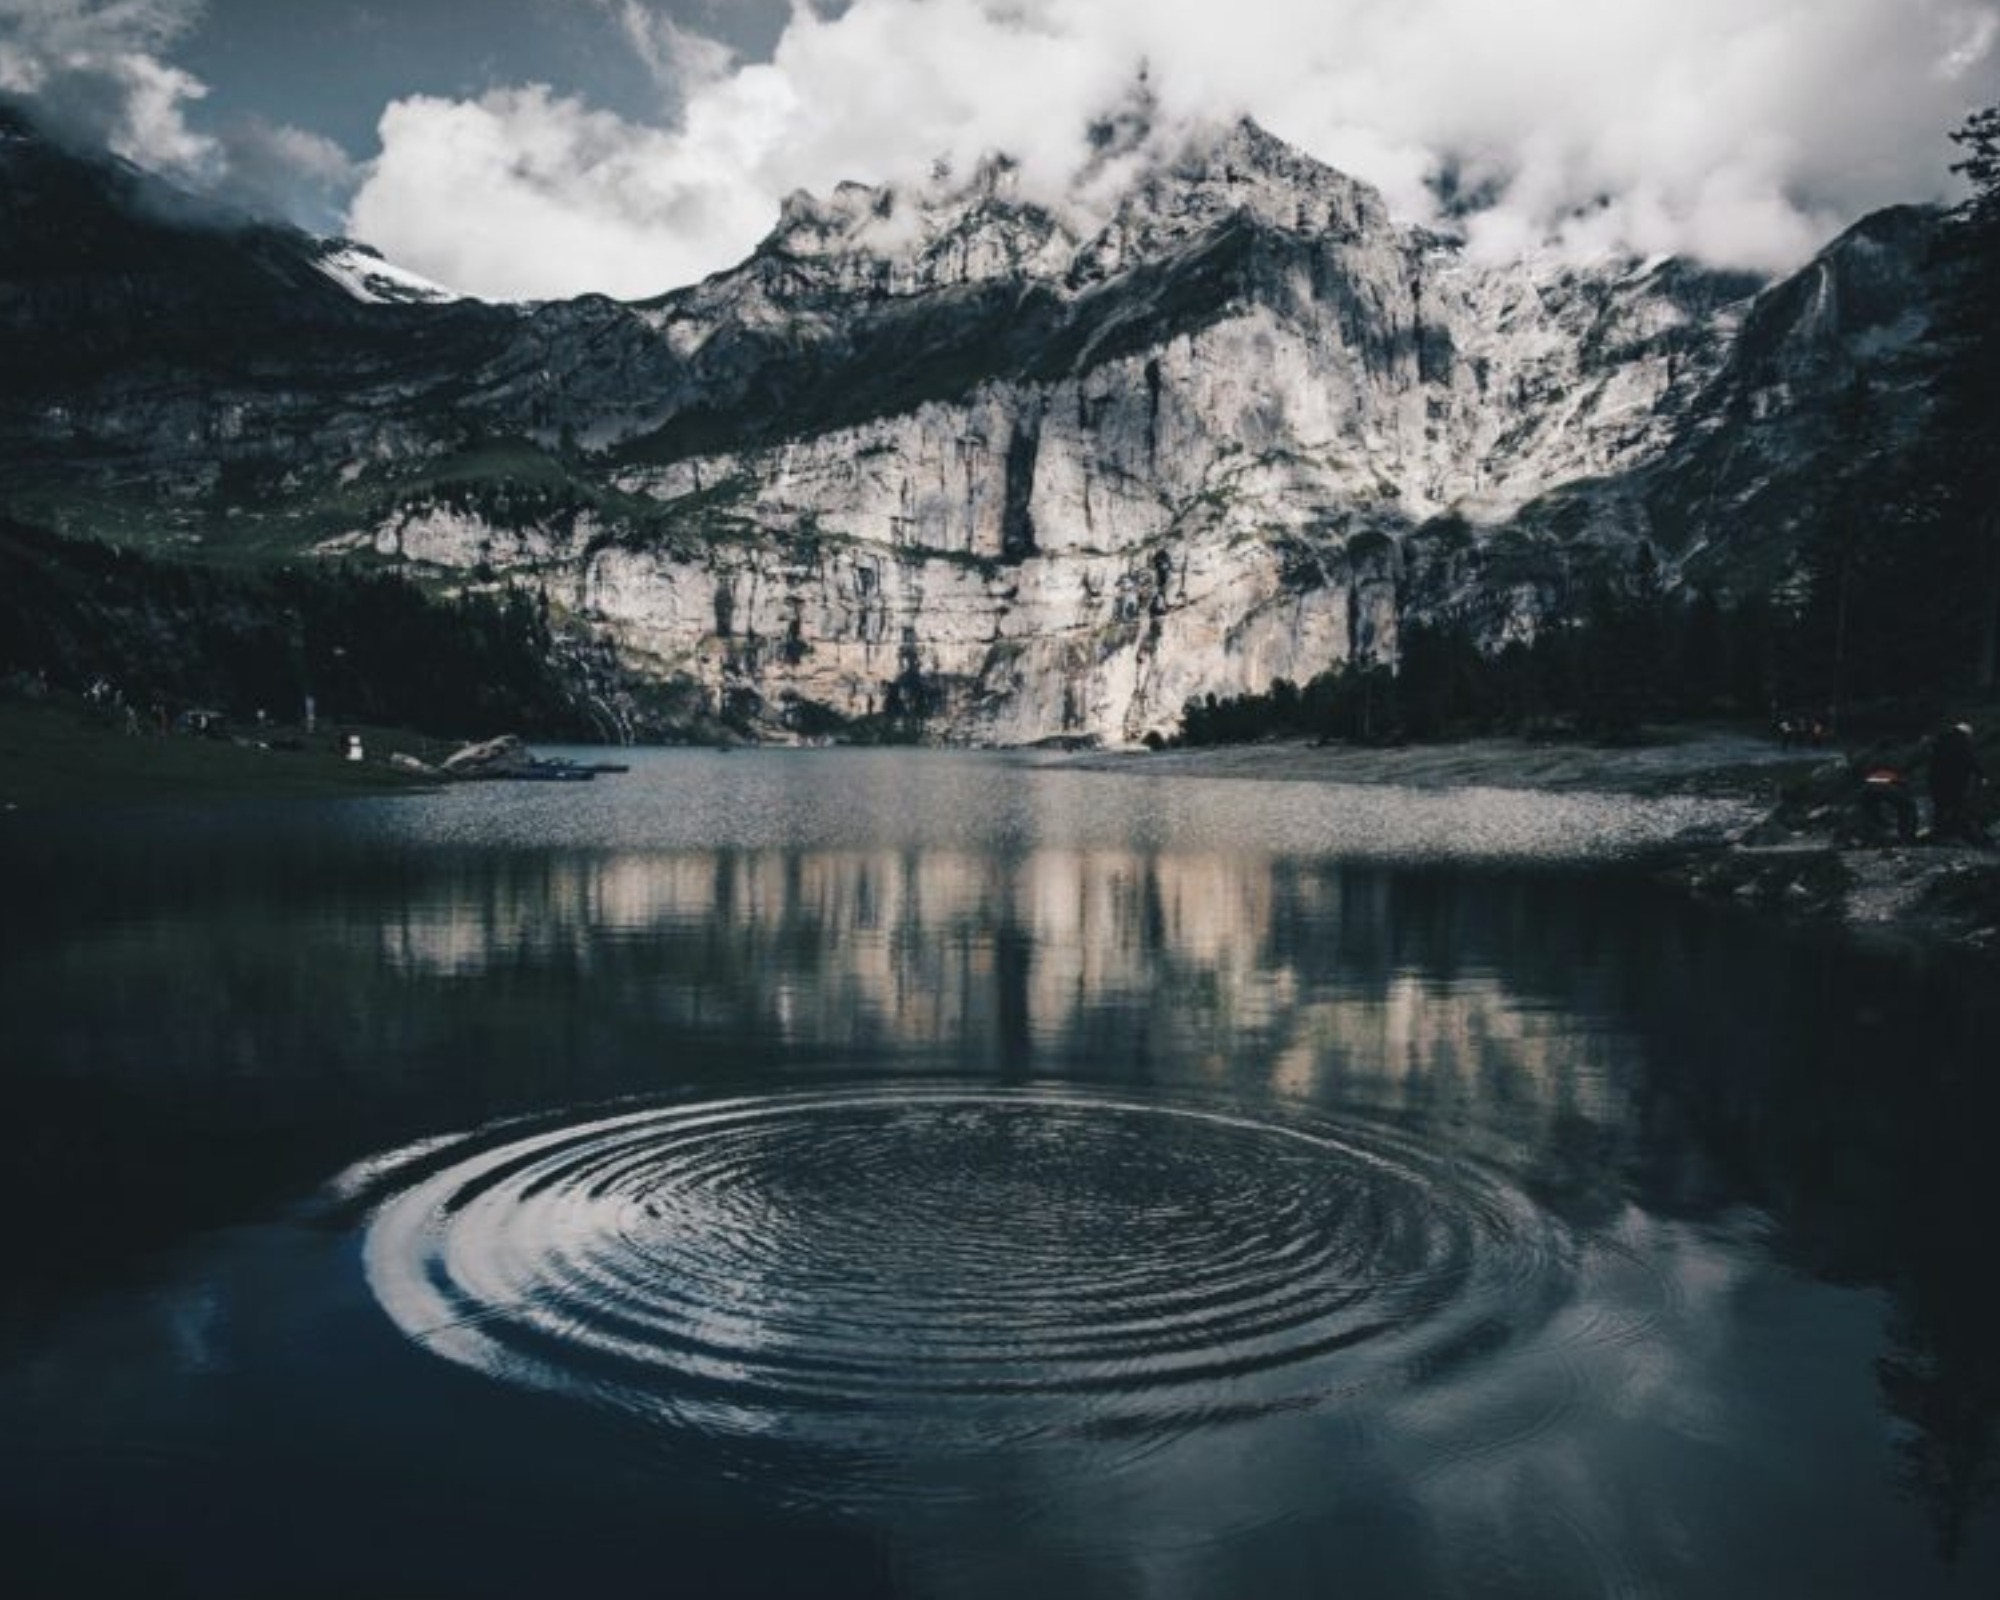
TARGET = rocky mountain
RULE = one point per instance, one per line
(945, 462)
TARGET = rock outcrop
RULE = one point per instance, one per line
(949, 464)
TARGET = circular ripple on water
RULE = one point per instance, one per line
(959, 1268)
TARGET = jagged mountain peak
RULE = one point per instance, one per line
(1146, 200)
(958, 456)
(1224, 171)
(980, 225)
(813, 224)
(1242, 165)
(1853, 306)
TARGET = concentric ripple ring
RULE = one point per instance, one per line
(968, 1266)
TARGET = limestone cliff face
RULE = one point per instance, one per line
(1190, 460)
(951, 463)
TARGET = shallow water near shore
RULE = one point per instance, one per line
(927, 1174)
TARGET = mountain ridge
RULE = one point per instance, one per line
(949, 464)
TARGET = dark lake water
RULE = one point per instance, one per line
(876, 1173)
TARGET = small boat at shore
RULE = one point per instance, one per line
(508, 760)
(544, 772)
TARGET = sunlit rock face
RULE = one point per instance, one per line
(1009, 479)
(951, 464)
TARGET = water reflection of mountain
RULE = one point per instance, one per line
(1259, 968)
(202, 1026)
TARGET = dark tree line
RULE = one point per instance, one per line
(367, 646)
(1896, 596)
(1962, 507)
(1618, 657)
(1892, 610)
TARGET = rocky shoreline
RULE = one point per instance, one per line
(1924, 896)
(1722, 763)
(1794, 856)
(1812, 856)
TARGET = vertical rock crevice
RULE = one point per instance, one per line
(1017, 519)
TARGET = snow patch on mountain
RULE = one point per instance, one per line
(373, 281)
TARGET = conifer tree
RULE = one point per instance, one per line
(1965, 438)
(1834, 621)
(1702, 657)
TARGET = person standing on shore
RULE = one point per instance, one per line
(1955, 771)
(1888, 813)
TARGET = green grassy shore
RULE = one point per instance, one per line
(57, 753)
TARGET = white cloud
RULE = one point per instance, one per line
(97, 70)
(275, 169)
(59, 28)
(1741, 131)
(96, 67)
(524, 195)
(679, 59)
(152, 126)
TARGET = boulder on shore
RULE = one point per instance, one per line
(489, 758)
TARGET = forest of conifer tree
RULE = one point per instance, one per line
(1889, 615)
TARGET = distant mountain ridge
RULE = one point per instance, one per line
(942, 462)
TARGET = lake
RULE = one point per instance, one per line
(896, 1173)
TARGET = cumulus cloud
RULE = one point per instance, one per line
(1740, 131)
(97, 69)
(523, 194)
(680, 60)
(37, 32)
(274, 168)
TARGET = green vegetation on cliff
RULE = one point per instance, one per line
(367, 647)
